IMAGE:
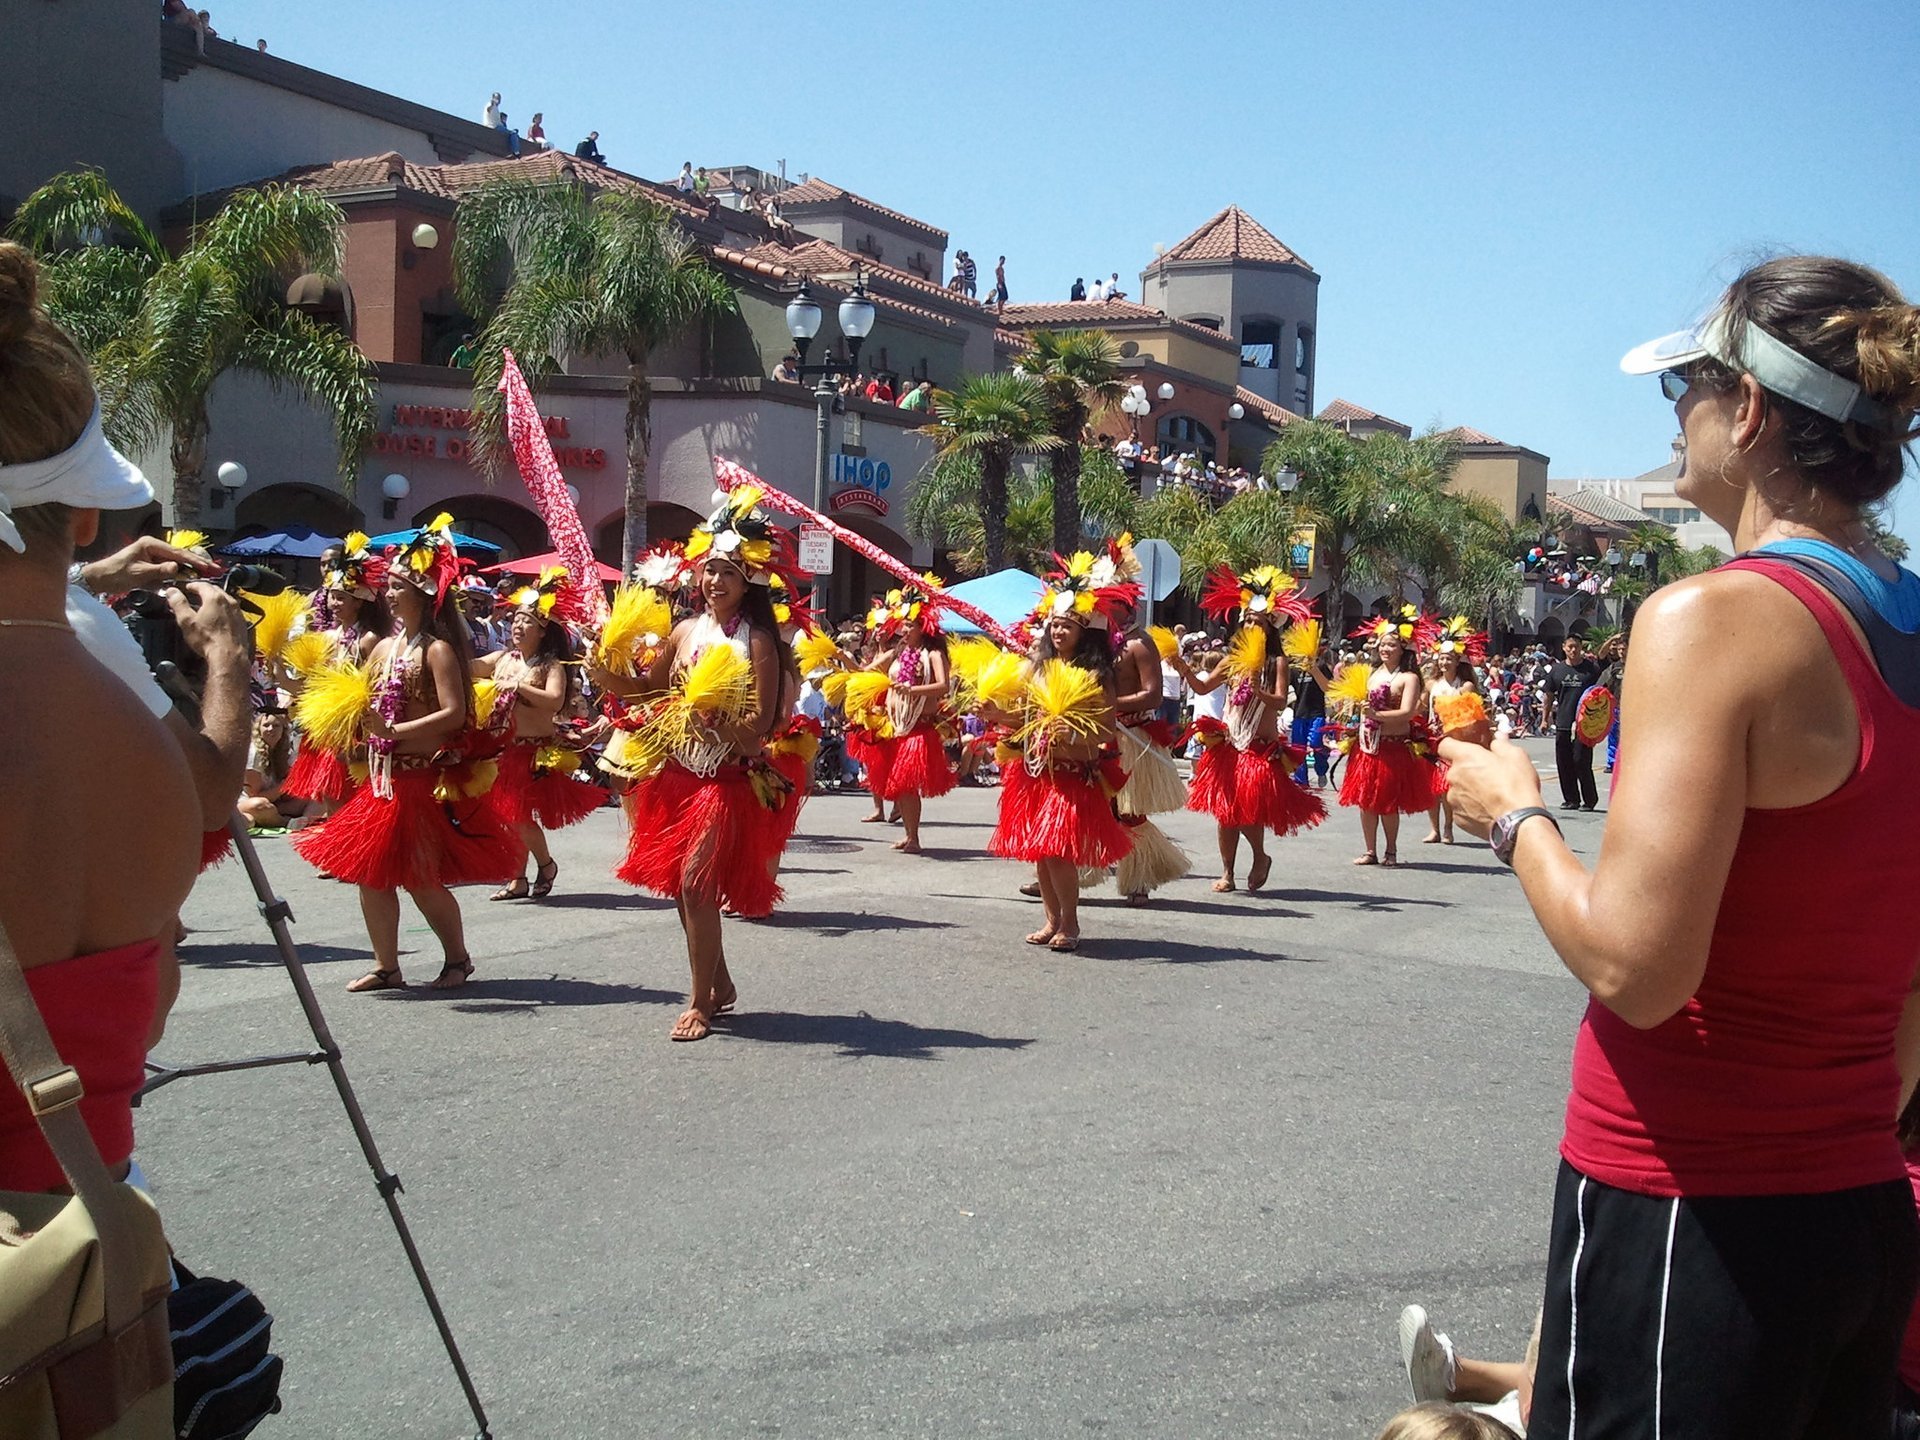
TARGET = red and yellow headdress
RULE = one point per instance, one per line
(1089, 589)
(1413, 627)
(1264, 590)
(913, 602)
(1456, 637)
(662, 567)
(358, 571)
(428, 561)
(740, 532)
(551, 595)
(789, 608)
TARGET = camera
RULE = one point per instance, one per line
(150, 620)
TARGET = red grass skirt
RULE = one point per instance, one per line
(319, 775)
(412, 840)
(916, 761)
(215, 846)
(1392, 781)
(548, 799)
(1254, 787)
(865, 749)
(713, 839)
(792, 752)
(1060, 814)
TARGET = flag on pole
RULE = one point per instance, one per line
(533, 453)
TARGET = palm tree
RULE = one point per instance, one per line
(160, 329)
(945, 509)
(1344, 493)
(556, 269)
(1080, 370)
(993, 419)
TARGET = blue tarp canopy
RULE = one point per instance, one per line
(460, 542)
(298, 543)
(1007, 595)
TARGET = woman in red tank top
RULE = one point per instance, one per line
(1733, 1248)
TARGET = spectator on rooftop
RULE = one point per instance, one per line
(589, 148)
(1079, 290)
(701, 182)
(880, 390)
(1099, 290)
(788, 369)
(194, 20)
(537, 132)
(464, 354)
(684, 183)
(1000, 284)
(1114, 292)
(490, 116)
(919, 397)
(261, 46)
(969, 274)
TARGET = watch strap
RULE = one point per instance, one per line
(1506, 830)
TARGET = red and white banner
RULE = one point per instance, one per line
(533, 453)
(728, 474)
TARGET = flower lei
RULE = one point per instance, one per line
(906, 670)
(390, 704)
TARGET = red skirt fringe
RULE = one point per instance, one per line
(413, 840)
(215, 846)
(549, 799)
(916, 761)
(792, 752)
(873, 753)
(1254, 786)
(714, 839)
(319, 775)
(1059, 814)
(1392, 781)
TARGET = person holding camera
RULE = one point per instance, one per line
(88, 901)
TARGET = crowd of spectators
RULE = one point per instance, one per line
(495, 118)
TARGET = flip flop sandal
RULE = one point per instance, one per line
(377, 979)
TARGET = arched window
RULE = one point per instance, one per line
(1181, 434)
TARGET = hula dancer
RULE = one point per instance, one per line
(1060, 767)
(539, 788)
(913, 761)
(707, 810)
(355, 619)
(421, 822)
(1243, 776)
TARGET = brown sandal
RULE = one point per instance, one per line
(377, 979)
(692, 1025)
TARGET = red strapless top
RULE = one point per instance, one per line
(98, 1009)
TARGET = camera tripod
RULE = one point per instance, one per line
(278, 916)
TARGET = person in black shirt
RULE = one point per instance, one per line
(589, 148)
(1566, 683)
(1309, 724)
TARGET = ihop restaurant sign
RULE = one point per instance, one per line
(860, 483)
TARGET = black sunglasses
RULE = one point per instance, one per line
(1674, 384)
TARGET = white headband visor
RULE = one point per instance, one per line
(88, 475)
(1775, 364)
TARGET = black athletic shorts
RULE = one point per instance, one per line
(1771, 1317)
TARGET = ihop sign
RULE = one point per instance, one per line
(862, 483)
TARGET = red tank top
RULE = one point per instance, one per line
(98, 1009)
(1778, 1077)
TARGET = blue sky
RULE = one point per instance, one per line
(1500, 198)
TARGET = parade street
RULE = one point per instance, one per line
(927, 1181)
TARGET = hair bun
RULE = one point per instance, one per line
(1888, 340)
(19, 291)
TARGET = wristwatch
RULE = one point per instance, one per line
(77, 575)
(1506, 830)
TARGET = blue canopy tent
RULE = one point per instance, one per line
(1007, 595)
(460, 542)
(297, 543)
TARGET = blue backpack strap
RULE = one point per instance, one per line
(1896, 654)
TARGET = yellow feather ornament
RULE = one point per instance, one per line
(997, 682)
(1350, 685)
(637, 613)
(332, 709)
(817, 652)
(1064, 703)
(721, 680)
(308, 651)
(278, 615)
(1165, 641)
(865, 701)
(1302, 640)
(1246, 653)
(720, 683)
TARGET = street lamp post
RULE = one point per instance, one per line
(856, 317)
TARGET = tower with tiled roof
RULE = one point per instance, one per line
(1234, 276)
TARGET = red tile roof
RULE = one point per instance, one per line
(1263, 408)
(1105, 315)
(1466, 435)
(817, 259)
(1231, 235)
(1340, 412)
(818, 192)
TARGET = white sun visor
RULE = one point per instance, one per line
(88, 475)
(1774, 363)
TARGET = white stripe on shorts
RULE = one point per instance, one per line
(1573, 1302)
(1660, 1344)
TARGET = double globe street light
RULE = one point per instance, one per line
(856, 316)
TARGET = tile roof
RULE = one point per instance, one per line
(1341, 412)
(1105, 315)
(816, 191)
(1598, 505)
(1467, 435)
(1265, 409)
(818, 259)
(1231, 235)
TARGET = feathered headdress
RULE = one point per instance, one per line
(662, 568)
(912, 602)
(789, 608)
(358, 571)
(552, 596)
(740, 532)
(1410, 625)
(1263, 590)
(428, 561)
(1089, 589)
(1457, 637)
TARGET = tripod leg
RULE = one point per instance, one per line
(277, 915)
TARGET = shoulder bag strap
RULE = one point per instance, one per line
(52, 1091)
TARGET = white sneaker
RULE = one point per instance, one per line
(1427, 1354)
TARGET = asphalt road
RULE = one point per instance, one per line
(929, 1181)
